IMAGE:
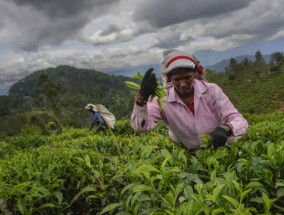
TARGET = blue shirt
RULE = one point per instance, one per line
(97, 118)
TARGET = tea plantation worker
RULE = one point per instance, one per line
(193, 107)
(101, 117)
(96, 118)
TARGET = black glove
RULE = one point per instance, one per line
(148, 84)
(219, 137)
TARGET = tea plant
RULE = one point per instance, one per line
(122, 172)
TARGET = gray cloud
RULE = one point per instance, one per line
(162, 13)
(28, 25)
(32, 24)
(168, 39)
(117, 58)
(259, 20)
(113, 34)
(64, 8)
(110, 29)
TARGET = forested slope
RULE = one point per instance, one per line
(81, 86)
(253, 87)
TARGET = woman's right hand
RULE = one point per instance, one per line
(148, 84)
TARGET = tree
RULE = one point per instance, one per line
(245, 63)
(47, 92)
(276, 61)
(277, 58)
(4, 106)
(233, 66)
(259, 60)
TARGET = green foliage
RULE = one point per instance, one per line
(81, 86)
(29, 122)
(277, 58)
(254, 87)
(259, 60)
(11, 126)
(120, 172)
(123, 127)
(46, 92)
(30, 129)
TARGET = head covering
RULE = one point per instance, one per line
(174, 58)
(91, 107)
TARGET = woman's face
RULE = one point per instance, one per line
(183, 81)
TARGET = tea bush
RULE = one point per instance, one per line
(122, 172)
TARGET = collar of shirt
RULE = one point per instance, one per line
(200, 87)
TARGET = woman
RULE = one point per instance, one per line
(193, 107)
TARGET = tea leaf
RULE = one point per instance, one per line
(233, 201)
(48, 205)
(217, 191)
(85, 190)
(141, 188)
(110, 207)
(267, 202)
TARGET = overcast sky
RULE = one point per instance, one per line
(113, 34)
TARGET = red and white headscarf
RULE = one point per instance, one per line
(174, 58)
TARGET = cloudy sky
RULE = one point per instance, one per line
(109, 35)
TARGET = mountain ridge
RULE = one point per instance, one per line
(218, 67)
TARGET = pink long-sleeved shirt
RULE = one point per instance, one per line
(212, 109)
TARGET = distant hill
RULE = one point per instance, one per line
(220, 66)
(80, 87)
(132, 71)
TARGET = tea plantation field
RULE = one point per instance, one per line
(124, 173)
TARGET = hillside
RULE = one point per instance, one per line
(254, 88)
(221, 66)
(78, 88)
(74, 81)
